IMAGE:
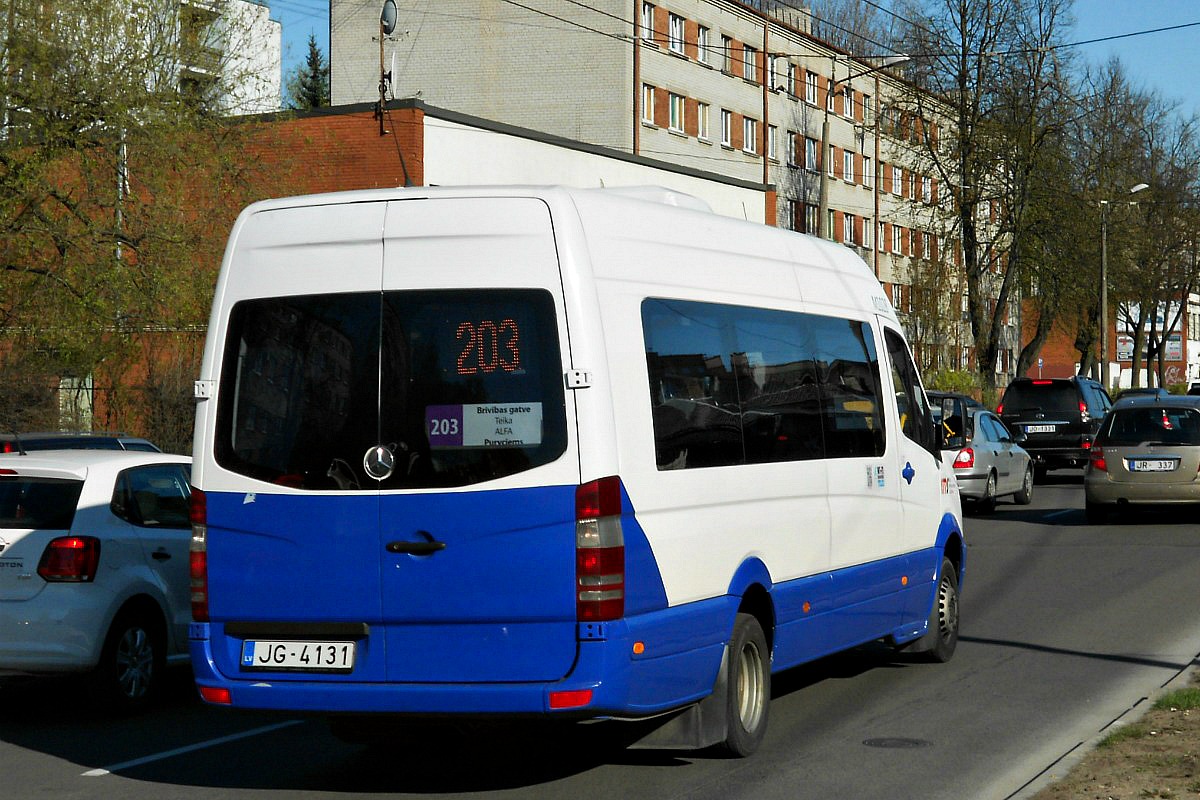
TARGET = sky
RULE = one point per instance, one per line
(1167, 60)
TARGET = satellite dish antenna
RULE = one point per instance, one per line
(387, 18)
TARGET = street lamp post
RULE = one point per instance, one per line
(834, 84)
(1104, 284)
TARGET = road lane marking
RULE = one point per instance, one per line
(233, 737)
(1060, 513)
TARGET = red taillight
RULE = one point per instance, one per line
(1084, 416)
(1042, 383)
(198, 555)
(70, 559)
(219, 696)
(599, 551)
(570, 699)
(965, 459)
(7, 447)
(1096, 460)
(1000, 408)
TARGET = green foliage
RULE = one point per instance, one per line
(1187, 699)
(1123, 734)
(954, 380)
(308, 83)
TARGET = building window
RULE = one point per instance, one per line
(897, 296)
(897, 181)
(830, 218)
(791, 79)
(675, 33)
(647, 104)
(793, 140)
(830, 102)
(810, 218)
(789, 215)
(926, 245)
(648, 21)
(882, 238)
(848, 103)
(829, 159)
(810, 155)
(897, 240)
(702, 120)
(749, 135)
(927, 189)
(726, 127)
(848, 229)
(810, 88)
(772, 135)
(868, 176)
(868, 225)
(749, 63)
(848, 166)
(702, 44)
(866, 104)
(726, 54)
(676, 109)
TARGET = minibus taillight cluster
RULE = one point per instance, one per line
(599, 551)
(198, 556)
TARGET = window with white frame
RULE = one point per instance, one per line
(867, 226)
(647, 104)
(966, 307)
(810, 88)
(848, 102)
(927, 189)
(830, 154)
(648, 21)
(881, 229)
(867, 109)
(726, 127)
(789, 215)
(897, 296)
(727, 54)
(926, 245)
(676, 109)
(868, 176)
(848, 166)
(830, 97)
(749, 63)
(791, 79)
(702, 120)
(810, 155)
(847, 229)
(897, 240)
(675, 33)
(811, 213)
(772, 135)
(774, 80)
(702, 54)
(749, 135)
(897, 181)
(792, 143)
(830, 218)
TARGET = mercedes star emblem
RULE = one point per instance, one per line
(379, 463)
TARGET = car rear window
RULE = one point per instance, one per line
(460, 386)
(1152, 424)
(1048, 396)
(38, 503)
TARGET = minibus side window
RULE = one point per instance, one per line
(916, 420)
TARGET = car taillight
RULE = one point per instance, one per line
(1083, 412)
(70, 559)
(1000, 408)
(198, 555)
(965, 459)
(1096, 460)
(599, 551)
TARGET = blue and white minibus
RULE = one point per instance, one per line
(564, 453)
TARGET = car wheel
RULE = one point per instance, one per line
(987, 503)
(1025, 495)
(748, 689)
(941, 637)
(131, 663)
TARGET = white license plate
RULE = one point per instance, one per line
(293, 655)
(1040, 428)
(1151, 465)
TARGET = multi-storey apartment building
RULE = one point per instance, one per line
(740, 89)
(234, 55)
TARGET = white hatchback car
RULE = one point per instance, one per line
(94, 568)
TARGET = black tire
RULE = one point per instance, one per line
(748, 691)
(987, 503)
(1025, 495)
(941, 638)
(131, 664)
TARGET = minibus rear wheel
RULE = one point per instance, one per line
(748, 699)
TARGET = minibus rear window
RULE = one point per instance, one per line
(458, 386)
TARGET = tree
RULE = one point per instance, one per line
(308, 83)
(119, 178)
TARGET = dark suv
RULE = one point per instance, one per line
(1059, 417)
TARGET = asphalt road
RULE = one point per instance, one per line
(1066, 627)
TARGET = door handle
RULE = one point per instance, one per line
(160, 555)
(415, 548)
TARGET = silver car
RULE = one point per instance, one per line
(1146, 452)
(991, 463)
